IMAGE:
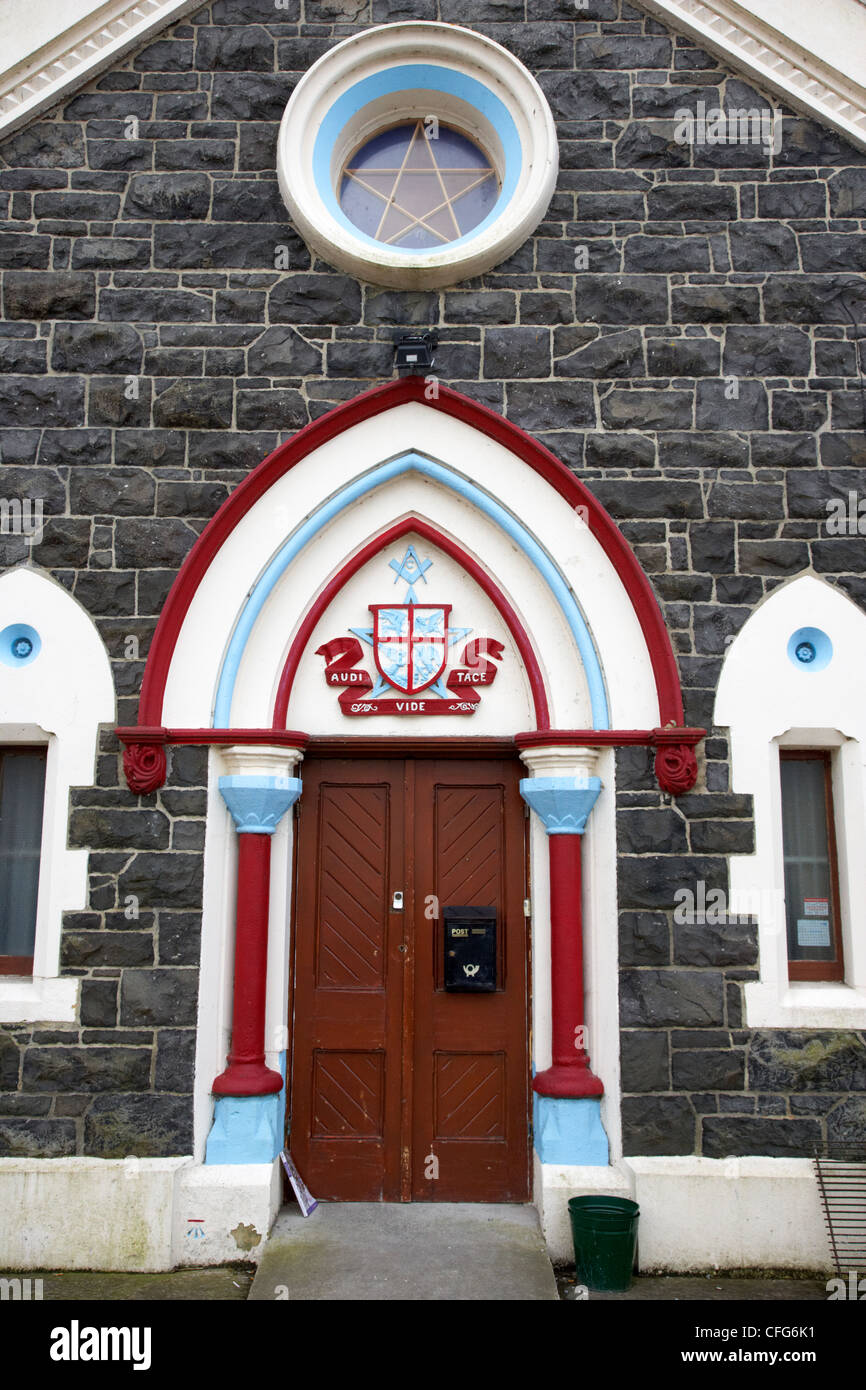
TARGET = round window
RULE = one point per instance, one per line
(416, 155)
(419, 184)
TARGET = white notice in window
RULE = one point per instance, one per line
(811, 932)
(816, 907)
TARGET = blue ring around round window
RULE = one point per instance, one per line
(417, 78)
(810, 649)
(19, 645)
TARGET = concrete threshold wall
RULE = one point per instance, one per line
(700, 1214)
(145, 1214)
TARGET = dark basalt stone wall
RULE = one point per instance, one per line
(682, 330)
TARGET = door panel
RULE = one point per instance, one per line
(390, 1070)
(470, 1050)
(346, 1084)
(468, 1096)
(353, 858)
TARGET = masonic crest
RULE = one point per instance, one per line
(410, 644)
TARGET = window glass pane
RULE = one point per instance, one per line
(808, 875)
(22, 791)
(407, 188)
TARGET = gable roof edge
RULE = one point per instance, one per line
(776, 61)
(76, 55)
(747, 43)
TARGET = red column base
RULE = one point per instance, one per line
(568, 1079)
(247, 1079)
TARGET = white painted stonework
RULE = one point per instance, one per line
(699, 1214)
(554, 1184)
(48, 1206)
(314, 706)
(42, 702)
(768, 702)
(153, 1213)
(232, 1205)
(728, 1213)
(695, 1213)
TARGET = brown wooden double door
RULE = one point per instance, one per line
(401, 1090)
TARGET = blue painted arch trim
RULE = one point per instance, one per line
(383, 473)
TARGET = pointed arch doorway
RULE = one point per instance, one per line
(527, 558)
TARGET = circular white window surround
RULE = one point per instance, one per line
(401, 72)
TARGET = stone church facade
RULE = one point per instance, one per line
(681, 330)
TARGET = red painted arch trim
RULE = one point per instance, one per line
(364, 407)
(379, 543)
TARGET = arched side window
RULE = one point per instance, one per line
(55, 691)
(793, 694)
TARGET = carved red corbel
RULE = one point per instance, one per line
(676, 768)
(145, 767)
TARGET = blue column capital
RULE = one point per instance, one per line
(257, 802)
(563, 803)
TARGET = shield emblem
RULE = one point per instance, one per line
(410, 643)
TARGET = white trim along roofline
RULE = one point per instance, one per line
(817, 65)
(75, 53)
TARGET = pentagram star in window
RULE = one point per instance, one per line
(418, 185)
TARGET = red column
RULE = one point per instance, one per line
(570, 1074)
(246, 1073)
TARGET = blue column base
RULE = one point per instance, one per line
(570, 1131)
(246, 1129)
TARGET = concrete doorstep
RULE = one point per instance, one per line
(347, 1251)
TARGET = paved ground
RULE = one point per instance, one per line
(708, 1288)
(358, 1251)
(419, 1251)
(231, 1283)
(225, 1282)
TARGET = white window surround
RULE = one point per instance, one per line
(41, 703)
(768, 703)
(397, 72)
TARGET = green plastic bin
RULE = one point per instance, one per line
(605, 1236)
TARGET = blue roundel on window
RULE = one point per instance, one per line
(418, 185)
(810, 649)
(19, 644)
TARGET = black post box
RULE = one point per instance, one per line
(470, 948)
